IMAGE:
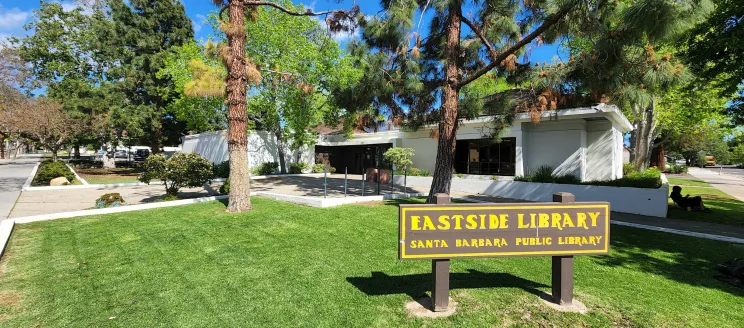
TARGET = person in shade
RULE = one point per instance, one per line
(688, 203)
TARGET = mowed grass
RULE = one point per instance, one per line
(723, 208)
(109, 176)
(687, 182)
(288, 265)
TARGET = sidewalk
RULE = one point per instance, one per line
(633, 219)
(729, 184)
(13, 174)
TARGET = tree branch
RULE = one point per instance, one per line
(479, 33)
(287, 11)
(552, 20)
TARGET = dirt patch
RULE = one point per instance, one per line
(124, 171)
(421, 308)
(9, 298)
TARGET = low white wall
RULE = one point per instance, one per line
(649, 202)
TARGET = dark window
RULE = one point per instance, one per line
(484, 156)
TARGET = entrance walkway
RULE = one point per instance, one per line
(13, 174)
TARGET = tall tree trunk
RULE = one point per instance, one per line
(156, 140)
(280, 150)
(442, 180)
(77, 151)
(237, 117)
(2, 146)
(643, 136)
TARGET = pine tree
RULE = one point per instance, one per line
(628, 56)
(140, 36)
(419, 79)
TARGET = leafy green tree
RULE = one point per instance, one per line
(199, 87)
(401, 158)
(629, 57)
(240, 72)
(140, 37)
(61, 49)
(716, 53)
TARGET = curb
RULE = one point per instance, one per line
(85, 183)
(681, 232)
(6, 228)
(27, 185)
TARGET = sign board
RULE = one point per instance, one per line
(431, 231)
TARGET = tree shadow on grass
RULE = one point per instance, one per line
(688, 260)
(416, 285)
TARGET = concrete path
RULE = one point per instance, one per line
(729, 180)
(13, 174)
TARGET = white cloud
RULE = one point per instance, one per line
(13, 19)
(198, 22)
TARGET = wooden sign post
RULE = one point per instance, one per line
(440, 272)
(562, 229)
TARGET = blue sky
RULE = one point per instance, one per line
(15, 13)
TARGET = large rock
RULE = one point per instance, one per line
(61, 181)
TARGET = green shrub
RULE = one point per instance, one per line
(331, 169)
(297, 168)
(110, 200)
(628, 168)
(677, 169)
(460, 175)
(181, 170)
(567, 179)
(49, 170)
(543, 173)
(650, 178)
(225, 188)
(399, 157)
(413, 172)
(222, 170)
(267, 168)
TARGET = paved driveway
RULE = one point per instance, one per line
(13, 175)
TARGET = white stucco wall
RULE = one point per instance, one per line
(559, 144)
(650, 202)
(262, 148)
(601, 147)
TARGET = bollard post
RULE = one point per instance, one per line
(325, 182)
(346, 174)
(405, 178)
(563, 266)
(364, 178)
(392, 180)
(440, 273)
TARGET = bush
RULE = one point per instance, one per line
(267, 168)
(399, 157)
(49, 170)
(650, 178)
(222, 170)
(628, 168)
(677, 169)
(181, 170)
(543, 173)
(297, 168)
(110, 200)
(225, 188)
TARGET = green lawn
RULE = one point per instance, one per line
(723, 208)
(687, 182)
(289, 265)
(109, 176)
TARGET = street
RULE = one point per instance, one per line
(13, 175)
